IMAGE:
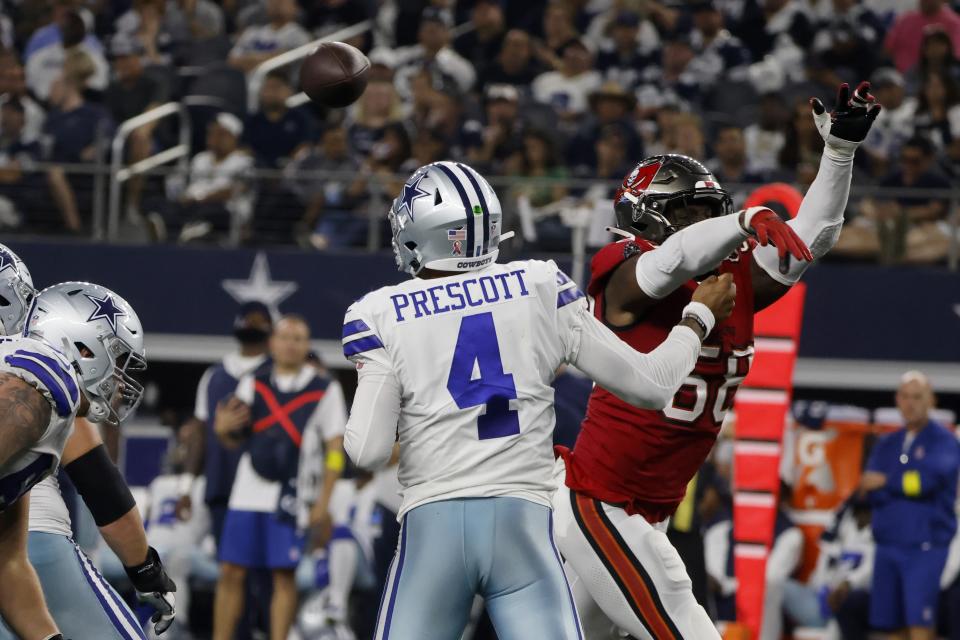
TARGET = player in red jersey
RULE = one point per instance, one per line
(629, 468)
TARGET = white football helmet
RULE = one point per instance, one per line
(448, 218)
(16, 292)
(100, 333)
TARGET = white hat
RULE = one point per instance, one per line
(230, 122)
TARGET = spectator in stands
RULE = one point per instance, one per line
(894, 124)
(481, 45)
(780, 29)
(784, 558)
(689, 139)
(217, 192)
(938, 110)
(729, 162)
(567, 89)
(204, 454)
(192, 20)
(52, 32)
(906, 227)
(329, 218)
(610, 105)
(13, 86)
(490, 141)
(558, 30)
(904, 39)
(672, 82)
(433, 54)
(800, 155)
(288, 400)
(378, 107)
(276, 133)
(514, 64)
(911, 478)
(131, 93)
(849, 49)
(623, 56)
(840, 585)
(428, 146)
(765, 138)
(73, 129)
(145, 23)
(539, 159)
(259, 43)
(718, 54)
(936, 56)
(43, 67)
(17, 157)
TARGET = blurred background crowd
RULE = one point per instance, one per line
(558, 98)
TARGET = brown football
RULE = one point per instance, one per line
(335, 74)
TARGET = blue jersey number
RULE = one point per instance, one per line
(477, 344)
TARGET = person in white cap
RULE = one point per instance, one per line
(216, 191)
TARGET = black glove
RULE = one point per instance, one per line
(848, 125)
(154, 587)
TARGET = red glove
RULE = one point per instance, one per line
(768, 228)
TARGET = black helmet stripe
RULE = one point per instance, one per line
(466, 205)
(483, 206)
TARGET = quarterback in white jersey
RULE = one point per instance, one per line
(456, 365)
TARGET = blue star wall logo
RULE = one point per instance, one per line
(6, 260)
(106, 309)
(411, 191)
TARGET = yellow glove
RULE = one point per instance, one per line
(911, 483)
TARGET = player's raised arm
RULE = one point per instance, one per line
(650, 380)
(820, 218)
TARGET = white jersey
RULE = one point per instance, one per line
(44, 368)
(474, 355)
(48, 511)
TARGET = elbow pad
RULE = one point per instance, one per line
(99, 483)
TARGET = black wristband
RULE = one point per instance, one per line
(99, 483)
(149, 576)
(699, 322)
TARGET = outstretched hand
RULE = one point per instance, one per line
(844, 128)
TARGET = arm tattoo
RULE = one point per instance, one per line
(24, 416)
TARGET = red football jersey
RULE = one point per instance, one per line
(642, 458)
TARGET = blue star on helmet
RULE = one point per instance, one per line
(6, 261)
(411, 191)
(106, 309)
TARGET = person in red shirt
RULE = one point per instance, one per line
(904, 38)
(630, 468)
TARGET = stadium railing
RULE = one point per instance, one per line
(579, 218)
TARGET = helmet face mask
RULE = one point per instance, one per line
(663, 194)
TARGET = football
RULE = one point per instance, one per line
(334, 75)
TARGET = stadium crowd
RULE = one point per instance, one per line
(565, 92)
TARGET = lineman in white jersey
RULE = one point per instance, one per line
(456, 364)
(82, 603)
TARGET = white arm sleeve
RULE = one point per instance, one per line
(785, 555)
(819, 219)
(647, 380)
(688, 253)
(372, 427)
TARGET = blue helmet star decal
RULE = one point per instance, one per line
(106, 309)
(7, 261)
(411, 191)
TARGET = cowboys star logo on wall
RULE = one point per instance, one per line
(260, 286)
(106, 309)
(411, 191)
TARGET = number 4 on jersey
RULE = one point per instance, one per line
(477, 346)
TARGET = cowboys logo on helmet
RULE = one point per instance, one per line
(446, 218)
(666, 193)
(101, 334)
